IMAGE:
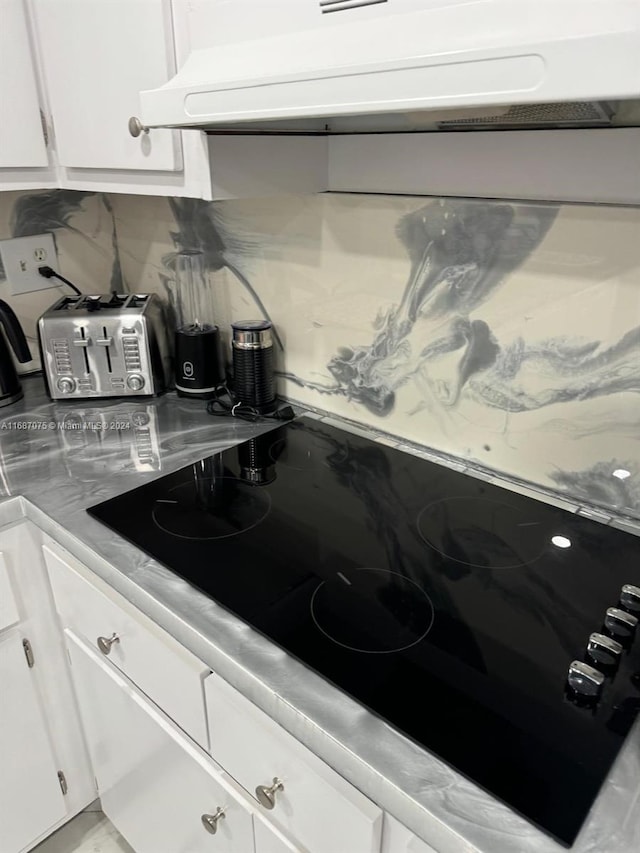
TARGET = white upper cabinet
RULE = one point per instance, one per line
(24, 160)
(81, 65)
(22, 141)
(97, 56)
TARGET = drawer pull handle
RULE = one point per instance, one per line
(267, 796)
(105, 643)
(210, 821)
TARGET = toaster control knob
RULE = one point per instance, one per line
(604, 650)
(620, 623)
(135, 382)
(584, 680)
(66, 385)
(630, 597)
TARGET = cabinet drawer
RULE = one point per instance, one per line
(8, 608)
(154, 785)
(269, 840)
(396, 838)
(165, 671)
(316, 805)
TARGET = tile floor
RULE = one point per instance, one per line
(89, 832)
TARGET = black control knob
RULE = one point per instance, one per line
(630, 597)
(620, 624)
(604, 650)
(585, 681)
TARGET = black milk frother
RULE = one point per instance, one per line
(253, 379)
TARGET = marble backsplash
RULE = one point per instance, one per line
(84, 233)
(504, 333)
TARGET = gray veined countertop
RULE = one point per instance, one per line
(65, 457)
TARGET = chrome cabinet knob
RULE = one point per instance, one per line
(210, 821)
(105, 643)
(267, 795)
(620, 623)
(630, 597)
(136, 127)
(604, 650)
(585, 680)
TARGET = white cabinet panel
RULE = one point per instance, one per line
(30, 797)
(224, 21)
(8, 608)
(396, 838)
(539, 165)
(22, 142)
(97, 56)
(269, 840)
(316, 806)
(153, 784)
(163, 669)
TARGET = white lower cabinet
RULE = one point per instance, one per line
(396, 838)
(158, 665)
(155, 786)
(243, 785)
(300, 793)
(45, 777)
(270, 840)
(8, 609)
(31, 799)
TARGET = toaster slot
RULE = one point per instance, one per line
(66, 303)
(84, 343)
(117, 299)
(137, 300)
(106, 342)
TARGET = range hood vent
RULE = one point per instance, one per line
(388, 65)
(577, 114)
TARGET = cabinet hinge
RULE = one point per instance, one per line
(28, 653)
(63, 782)
(45, 129)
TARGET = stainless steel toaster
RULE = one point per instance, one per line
(112, 345)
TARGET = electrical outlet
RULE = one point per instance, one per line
(21, 258)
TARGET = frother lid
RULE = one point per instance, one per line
(251, 334)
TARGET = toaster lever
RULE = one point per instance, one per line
(104, 342)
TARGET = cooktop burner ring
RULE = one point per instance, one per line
(240, 507)
(482, 533)
(401, 622)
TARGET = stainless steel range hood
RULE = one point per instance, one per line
(395, 65)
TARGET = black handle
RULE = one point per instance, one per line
(14, 333)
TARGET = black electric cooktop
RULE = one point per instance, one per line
(450, 607)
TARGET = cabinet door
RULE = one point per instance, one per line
(316, 806)
(270, 840)
(8, 608)
(396, 838)
(22, 143)
(30, 797)
(154, 785)
(25, 160)
(97, 57)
